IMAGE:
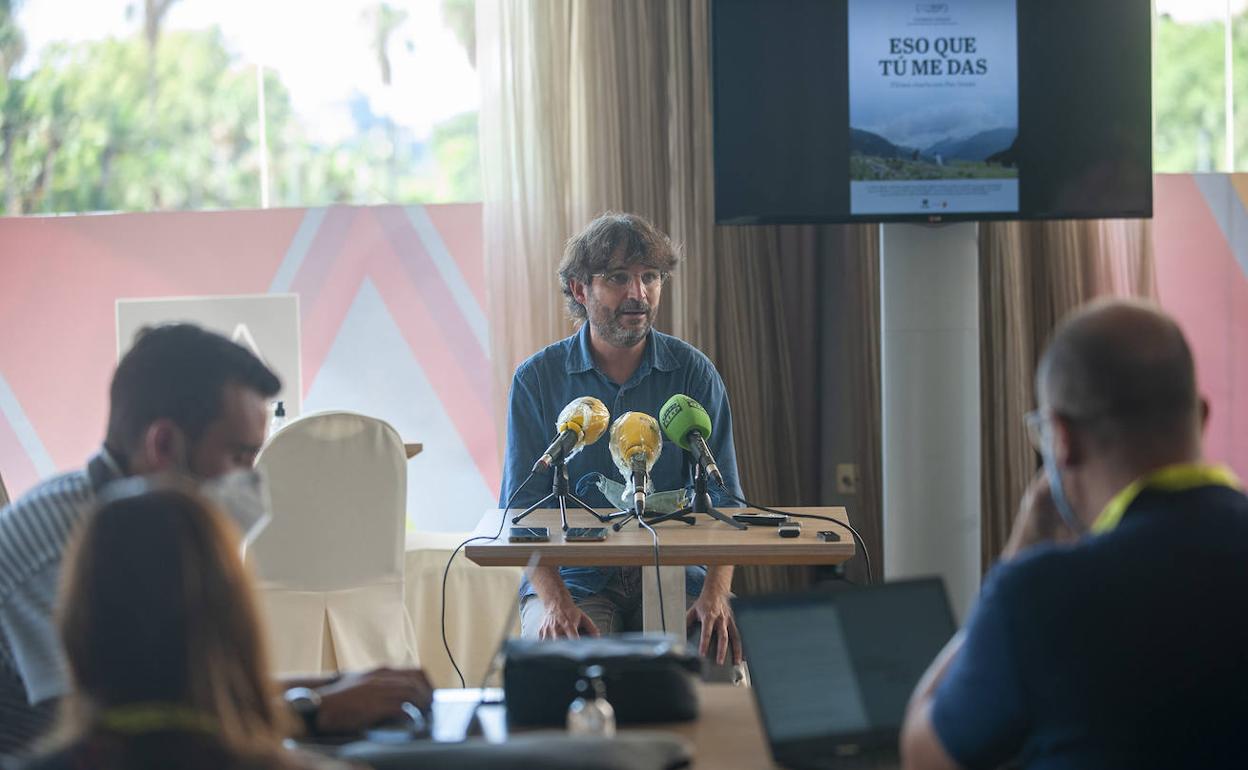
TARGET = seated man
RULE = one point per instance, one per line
(182, 399)
(612, 275)
(1111, 633)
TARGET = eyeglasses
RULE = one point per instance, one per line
(618, 279)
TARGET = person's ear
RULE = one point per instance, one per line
(580, 291)
(1069, 445)
(164, 447)
(1204, 414)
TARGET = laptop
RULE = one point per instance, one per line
(832, 671)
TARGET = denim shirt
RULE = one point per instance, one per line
(545, 383)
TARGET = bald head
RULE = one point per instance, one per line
(1122, 371)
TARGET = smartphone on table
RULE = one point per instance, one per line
(529, 535)
(585, 534)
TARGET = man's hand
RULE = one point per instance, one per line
(358, 700)
(712, 611)
(1037, 521)
(564, 619)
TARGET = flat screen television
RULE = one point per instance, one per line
(907, 110)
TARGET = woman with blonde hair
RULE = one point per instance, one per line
(164, 643)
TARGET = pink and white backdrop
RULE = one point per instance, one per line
(392, 316)
(1200, 236)
(394, 321)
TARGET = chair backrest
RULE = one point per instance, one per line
(338, 487)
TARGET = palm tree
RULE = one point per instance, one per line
(461, 17)
(385, 19)
(154, 12)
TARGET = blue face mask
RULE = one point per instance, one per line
(1060, 501)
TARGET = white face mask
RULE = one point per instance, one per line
(244, 497)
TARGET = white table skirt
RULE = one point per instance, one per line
(479, 602)
(361, 628)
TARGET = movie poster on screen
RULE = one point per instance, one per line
(933, 107)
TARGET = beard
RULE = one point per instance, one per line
(617, 326)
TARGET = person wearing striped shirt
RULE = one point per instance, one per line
(182, 399)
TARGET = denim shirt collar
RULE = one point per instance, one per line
(657, 355)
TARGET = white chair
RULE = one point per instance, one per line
(330, 563)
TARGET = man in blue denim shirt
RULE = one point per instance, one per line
(612, 275)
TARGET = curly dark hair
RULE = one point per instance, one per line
(592, 250)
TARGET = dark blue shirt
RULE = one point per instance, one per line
(1126, 650)
(545, 383)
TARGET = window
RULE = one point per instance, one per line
(1190, 100)
(159, 104)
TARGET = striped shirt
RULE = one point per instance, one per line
(34, 532)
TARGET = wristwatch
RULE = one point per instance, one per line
(306, 704)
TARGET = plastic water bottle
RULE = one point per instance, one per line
(279, 418)
(590, 713)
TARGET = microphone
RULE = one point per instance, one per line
(580, 424)
(686, 423)
(635, 446)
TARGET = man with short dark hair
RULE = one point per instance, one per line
(1110, 634)
(182, 399)
(612, 275)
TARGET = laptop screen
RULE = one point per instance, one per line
(844, 662)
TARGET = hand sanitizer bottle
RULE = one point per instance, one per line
(279, 418)
(590, 713)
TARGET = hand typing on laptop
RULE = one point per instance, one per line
(358, 700)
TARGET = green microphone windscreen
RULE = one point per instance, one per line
(682, 414)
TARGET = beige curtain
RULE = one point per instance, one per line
(590, 106)
(859, 316)
(1031, 274)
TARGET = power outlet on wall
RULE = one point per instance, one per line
(846, 479)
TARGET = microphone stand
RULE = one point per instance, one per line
(629, 515)
(701, 503)
(559, 490)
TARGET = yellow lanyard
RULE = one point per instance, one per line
(1172, 478)
(140, 718)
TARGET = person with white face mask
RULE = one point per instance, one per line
(182, 400)
(1110, 633)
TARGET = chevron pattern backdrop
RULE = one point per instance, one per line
(1200, 237)
(392, 313)
(394, 321)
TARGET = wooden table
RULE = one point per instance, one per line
(728, 732)
(707, 542)
(727, 735)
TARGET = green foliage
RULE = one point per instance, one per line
(455, 148)
(872, 168)
(12, 41)
(92, 128)
(92, 137)
(1189, 95)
